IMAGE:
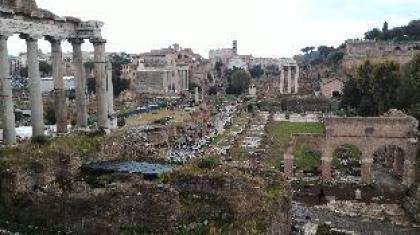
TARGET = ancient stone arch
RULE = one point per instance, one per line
(369, 135)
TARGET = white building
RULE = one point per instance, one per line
(47, 84)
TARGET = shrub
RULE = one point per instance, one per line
(40, 140)
(209, 162)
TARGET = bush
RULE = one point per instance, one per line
(208, 162)
(40, 140)
(308, 159)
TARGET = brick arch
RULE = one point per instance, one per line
(369, 135)
(367, 145)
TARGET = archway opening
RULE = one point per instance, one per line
(347, 161)
(307, 160)
(388, 164)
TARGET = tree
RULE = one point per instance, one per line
(374, 91)
(239, 81)
(324, 51)
(50, 117)
(373, 34)
(120, 85)
(45, 69)
(307, 50)
(385, 31)
(117, 60)
(23, 72)
(352, 95)
(256, 71)
(218, 67)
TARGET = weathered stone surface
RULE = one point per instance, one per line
(19, 5)
(369, 134)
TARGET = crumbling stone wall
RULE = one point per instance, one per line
(134, 143)
(369, 135)
(315, 141)
(239, 196)
(101, 211)
(19, 5)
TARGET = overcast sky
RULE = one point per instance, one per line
(269, 28)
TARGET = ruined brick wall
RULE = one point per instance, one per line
(368, 49)
(149, 208)
(149, 81)
(376, 127)
(239, 197)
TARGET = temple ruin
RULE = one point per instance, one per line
(292, 86)
(367, 134)
(23, 17)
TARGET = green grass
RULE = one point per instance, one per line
(34, 152)
(307, 159)
(279, 136)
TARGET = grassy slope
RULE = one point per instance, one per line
(147, 118)
(280, 134)
(27, 153)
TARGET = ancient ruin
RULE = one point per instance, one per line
(369, 135)
(32, 23)
(289, 66)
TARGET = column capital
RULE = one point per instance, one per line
(52, 39)
(97, 41)
(5, 35)
(28, 37)
(76, 41)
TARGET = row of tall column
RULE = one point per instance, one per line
(176, 83)
(104, 88)
(185, 79)
(290, 84)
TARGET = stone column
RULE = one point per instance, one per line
(289, 80)
(185, 72)
(326, 168)
(6, 95)
(196, 96)
(367, 163)
(100, 73)
(288, 164)
(188, 79)
(165, 82)
(281, 79)
(297, 79)
(110, 92)
(37, 108)
(59, 89)
(409, 175)
(80, 83)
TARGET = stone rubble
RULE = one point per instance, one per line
(374, 211)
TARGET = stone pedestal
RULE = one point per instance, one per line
(7, 114)
(80, 83)
(288, 165)
(59, 89)
(409, 175)
(100, 74)
(37, 108)
(196, 96)
(326, 169)
(367, 171)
